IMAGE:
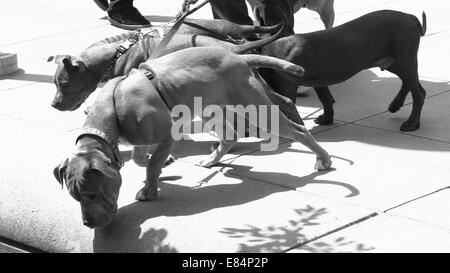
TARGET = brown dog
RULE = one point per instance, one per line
(137, 109)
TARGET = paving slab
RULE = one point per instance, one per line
(38, 213)
(29, 29)
(434, 122)
(374, 168)
(201, 210)
(31, 70)
(4, 248)
(383, 233)
(434, 56)
(32, 103)
(368, 93)
(431, 209)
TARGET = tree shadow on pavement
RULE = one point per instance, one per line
(273, 239)
(125, 232)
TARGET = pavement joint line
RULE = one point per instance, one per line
(355, 122)
(433, 78)
(417, 198)
(369, 6)
(443, 31)
(20, 246)
(53, 35)
(402, 133)
(16, 87)
(32, 122)
(360, 220)
(29, 9)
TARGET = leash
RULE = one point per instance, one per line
(215, 34)
(127, 44)
(149, 74)
(179, 20)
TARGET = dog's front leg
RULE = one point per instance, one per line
(154, 165)
(327, 100)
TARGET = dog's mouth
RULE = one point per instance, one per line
(97, 222)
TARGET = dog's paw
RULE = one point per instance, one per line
(145, 194)
(408, 126)
(324, 120)
(394, 107)
(206, 163)
(323, 165)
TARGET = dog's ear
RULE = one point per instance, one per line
(60, 172)
(50, 58)
(100, 164)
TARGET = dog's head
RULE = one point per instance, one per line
(74, 82)
(93, 181)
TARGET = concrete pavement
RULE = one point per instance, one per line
(388, 191)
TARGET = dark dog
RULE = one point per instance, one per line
(386, 39)
(137, 110)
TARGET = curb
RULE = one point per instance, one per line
(8, 63)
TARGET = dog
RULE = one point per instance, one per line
(76, 77)
(136, 109)
(386, 39)
(325, 9)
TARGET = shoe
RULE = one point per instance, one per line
(128, 18)
(103, 4)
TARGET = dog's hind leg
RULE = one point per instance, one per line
(327, 100)
(287, 106)
(286, 128)
(406, 65)
(399, 99)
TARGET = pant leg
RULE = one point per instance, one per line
(272, 14)
(232, 10)
(119, 4)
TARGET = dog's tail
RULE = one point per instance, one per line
(423, 27)
(248, 30)
(246, 47)
(253, 60)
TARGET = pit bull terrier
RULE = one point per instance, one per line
(137, 110)
(386, 39)
(76, 77)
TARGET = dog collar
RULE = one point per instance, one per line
(106, 138)
(151, 76)
(126, 45)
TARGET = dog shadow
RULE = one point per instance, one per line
(367, 95)
(125, 232)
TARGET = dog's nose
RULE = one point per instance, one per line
(57, 104)
(86, 223)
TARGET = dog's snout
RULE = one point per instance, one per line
(88, 224)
